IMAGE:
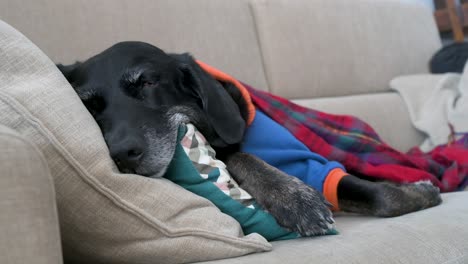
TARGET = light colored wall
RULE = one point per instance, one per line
(428, 3)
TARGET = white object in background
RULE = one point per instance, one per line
(435, 101)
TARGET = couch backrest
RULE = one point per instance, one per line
(341, 47)
(219, 32)
(294, 48)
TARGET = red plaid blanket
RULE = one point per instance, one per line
(356, 145)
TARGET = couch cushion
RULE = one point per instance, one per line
(385, 112)
(342, 47)
(432, 236)
(105, 216)
(28, 214)
(219, 32)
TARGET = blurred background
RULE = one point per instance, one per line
(451, 17)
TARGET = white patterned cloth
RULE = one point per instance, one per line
(203, 157)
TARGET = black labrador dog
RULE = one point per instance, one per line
(139, 96)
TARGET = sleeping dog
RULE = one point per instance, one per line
(139, 96)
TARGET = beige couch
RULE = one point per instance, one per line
(333, 55)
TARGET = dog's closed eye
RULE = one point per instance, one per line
(149, 84)
(135, 81)
(136, 90)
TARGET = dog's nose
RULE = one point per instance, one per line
(127, 156)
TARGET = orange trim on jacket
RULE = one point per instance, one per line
(219, 75)
(330, 187)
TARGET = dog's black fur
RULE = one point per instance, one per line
(139, 96)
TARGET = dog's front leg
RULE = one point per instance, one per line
(295, 205)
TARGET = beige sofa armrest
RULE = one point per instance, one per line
(29, 227)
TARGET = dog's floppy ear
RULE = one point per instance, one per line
(70, 71)
(221, 110)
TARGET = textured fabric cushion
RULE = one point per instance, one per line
(342, 47)
(105, 217)
(218, 32)
(432, 236)
(29, 227)
(385, 112)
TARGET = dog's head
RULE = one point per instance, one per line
(139, 96)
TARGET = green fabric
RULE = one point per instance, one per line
(182, 172)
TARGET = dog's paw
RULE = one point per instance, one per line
(301, 209)
(399, 199)
(429, 195)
